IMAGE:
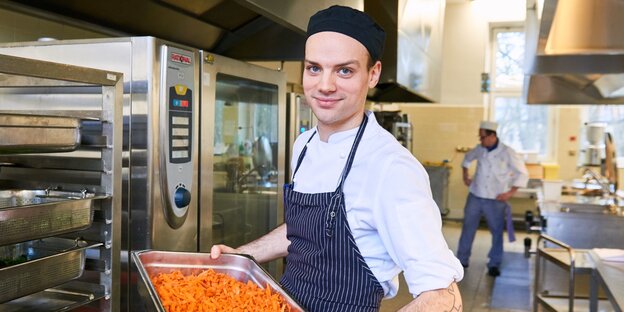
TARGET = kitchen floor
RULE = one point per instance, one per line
(478, 290)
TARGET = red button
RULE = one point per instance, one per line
(184, 103)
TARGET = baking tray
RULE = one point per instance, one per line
(241, 267)
(48, 262)
(38, 134)
(31, 214)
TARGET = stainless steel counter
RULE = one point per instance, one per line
(584, 204)
(611, 276)
(584, 221)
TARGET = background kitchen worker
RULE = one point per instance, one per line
(359, 210)
(500, 172)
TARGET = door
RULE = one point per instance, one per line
(242, 151)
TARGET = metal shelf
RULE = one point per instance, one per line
(575, 262)
(583, 263)
(560, 304)
(90, 161)
(68, 296)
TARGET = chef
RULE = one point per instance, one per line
(500, 172)
(359, 209)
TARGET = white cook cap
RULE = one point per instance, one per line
(488, 125)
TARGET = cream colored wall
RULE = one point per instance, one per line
(439, 128)
(16, 27)
(569, 125)
(437, 131)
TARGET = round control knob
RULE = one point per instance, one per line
(182, 197)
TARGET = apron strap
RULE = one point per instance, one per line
(337, 197)
(356, 143)
(302, 155)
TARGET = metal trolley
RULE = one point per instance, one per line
(577, 263)
(60, 186)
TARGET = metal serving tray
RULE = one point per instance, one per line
(38, 134)
(31, 214)
(49, 262)
(241, 267)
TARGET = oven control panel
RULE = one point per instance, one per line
(180, 123)
(177, 143)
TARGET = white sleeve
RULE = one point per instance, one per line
(410, 227)
(470, 156)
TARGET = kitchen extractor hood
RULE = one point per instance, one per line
(412, 56)
(576, 55)
(252, 30)
(268, 30)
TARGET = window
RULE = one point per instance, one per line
(521, 126)
(509, 58)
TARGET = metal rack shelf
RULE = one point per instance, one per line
(68, 296)
(83, 163)
(555, 304)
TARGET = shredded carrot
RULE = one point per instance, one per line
(210, 291)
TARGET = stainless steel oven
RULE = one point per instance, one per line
(160, 139)
(203, 144)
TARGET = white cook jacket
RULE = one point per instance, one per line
(497, 170)
(390, 210)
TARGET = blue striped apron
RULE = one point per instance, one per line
(324, 268)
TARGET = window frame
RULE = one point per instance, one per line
(497, 92)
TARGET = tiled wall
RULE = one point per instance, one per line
(437, 131)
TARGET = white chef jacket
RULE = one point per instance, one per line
(390, 209)
(497, 170)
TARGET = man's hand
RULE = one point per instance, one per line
(507, 195)
(503, 196)
(217, 250)
(269, 247)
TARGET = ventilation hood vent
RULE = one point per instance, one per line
(577, 55)
(269, 30)
(413, 51)
(252, 30)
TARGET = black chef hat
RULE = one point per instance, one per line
(353, 23)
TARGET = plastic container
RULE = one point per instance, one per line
(551, 171)
(551, 190)
(531, 158)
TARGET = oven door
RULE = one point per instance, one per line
(242, 151)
